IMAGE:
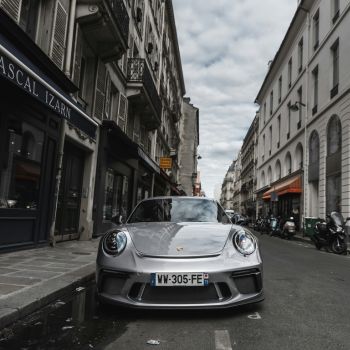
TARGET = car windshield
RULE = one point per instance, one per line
(179, 210)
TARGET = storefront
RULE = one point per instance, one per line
(285, 198)
(34, 100)
(116, 177)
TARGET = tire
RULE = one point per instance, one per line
(338, 248)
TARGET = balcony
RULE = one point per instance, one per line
(143, 94)
(105, 24)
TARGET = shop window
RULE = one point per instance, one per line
(116, 195)
(20, 173)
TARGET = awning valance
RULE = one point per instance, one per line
(291, 185)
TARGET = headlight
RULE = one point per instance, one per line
(244, 242)
(114, 242)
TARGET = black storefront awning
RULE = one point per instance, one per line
(20, 71)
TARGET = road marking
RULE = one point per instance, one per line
(222, 340)
(255, 316)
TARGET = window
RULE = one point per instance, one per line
(315, 88)
(335, 10)
(333, 165)
(279, 130)
(20, 176)
(280, 89)
(288, 120)
(271, 102)
(139, 8)
(316, 29)
(300, 111)
(270, 135)
(333, 136)
(263, 150)
(288, 164)
(335, 68)
(29, 17)
(264, 112)
(82, 78)
(300, 54)
(290, 66)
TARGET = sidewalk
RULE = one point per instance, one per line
(301, 238)
(31, 279)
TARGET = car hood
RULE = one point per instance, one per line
(168, 239)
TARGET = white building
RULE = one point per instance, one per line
(303, 159)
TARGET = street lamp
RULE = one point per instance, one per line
(296, 106)
(199, 157)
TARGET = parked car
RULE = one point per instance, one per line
(179, 252)
(229, 212)
(239, 219)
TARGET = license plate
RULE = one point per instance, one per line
(179, 279)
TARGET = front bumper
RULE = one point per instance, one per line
(231, 283)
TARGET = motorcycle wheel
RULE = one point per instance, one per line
(338, 248)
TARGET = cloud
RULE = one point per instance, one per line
(225, 46)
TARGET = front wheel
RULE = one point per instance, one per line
(338, 246)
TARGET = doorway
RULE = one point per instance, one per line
(69, 197)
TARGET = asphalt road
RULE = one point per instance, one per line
(307, 306)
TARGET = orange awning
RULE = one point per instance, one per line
(292, 185)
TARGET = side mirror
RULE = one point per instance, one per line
(118, 219)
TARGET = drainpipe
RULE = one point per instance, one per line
(67, 66)
(58, 181)
(70, 37)
(306, 148)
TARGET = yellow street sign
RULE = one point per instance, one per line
(165, 163)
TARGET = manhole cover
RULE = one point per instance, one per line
(81, 253)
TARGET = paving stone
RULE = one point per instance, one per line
(8, 288)
(5, 270)
(20, 281)
(35, 274)
(52, 268)
(34, 262)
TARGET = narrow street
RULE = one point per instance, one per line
(306, 307)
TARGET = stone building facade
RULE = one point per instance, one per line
(227, 188)
(189, 142)
(248, 173)
(304, 119)
(101, 88)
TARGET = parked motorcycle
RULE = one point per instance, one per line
(330, 234)
(288, 230)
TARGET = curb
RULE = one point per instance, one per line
(34, 298)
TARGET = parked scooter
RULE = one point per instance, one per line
(288, 230)
(331, 234)
(275, 227)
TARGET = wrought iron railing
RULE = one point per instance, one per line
(138, 71)
(121, 16)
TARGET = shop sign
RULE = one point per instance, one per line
(50, 97)
(165, 163)
(274, 197)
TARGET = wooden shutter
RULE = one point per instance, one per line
(59, 33)
(108, 98)
(100, 90)
(12, 8)
(78, 53)
(122, 112)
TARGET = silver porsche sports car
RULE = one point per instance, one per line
(179, 252)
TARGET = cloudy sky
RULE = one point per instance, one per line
(225, 47)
